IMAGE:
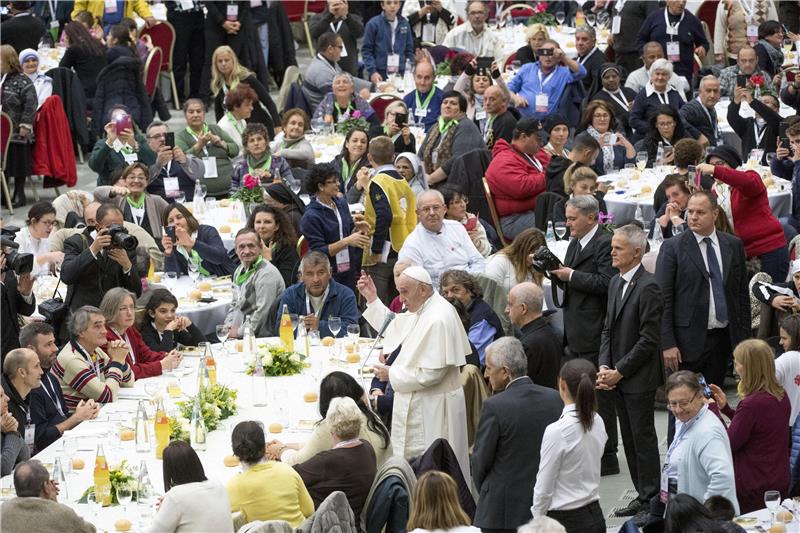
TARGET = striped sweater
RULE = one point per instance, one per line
(79, 380)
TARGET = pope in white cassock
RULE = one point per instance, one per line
(428, 398)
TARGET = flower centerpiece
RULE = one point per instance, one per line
(121, 477)
(351, 120)
(757, 81)
(276, 361)
(217, 402)
(251, 192)
(179, 428)
(606, 221)
(541, 16)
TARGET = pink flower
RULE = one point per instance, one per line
(356, 114)
(541, 7)
(250, 182)
(757, 80)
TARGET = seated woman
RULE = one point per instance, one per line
(409, 166)
(743, 197)
(665, 130)
(512, 265)
(607, 86)
(137, 205)
(372, 430)
(279, 240)
(759, 427)
(536, 35)
(557, 128)
(162, 330)
(585, 151)
(342, 103)
(329, 228)
(259, 162)
(579, 180)
(291, 143)
(119, 309)
(435, 506)
(673, 212)
(472, 83)
(768, 48)
(226, 74)
(85, 54)
(349, 466)
(265, 489)
(33, 239)
(457, 203)
(615, 150)
(193, 242)
(239, 105)
(191, 501)
(656, 93)
(453, 135)
(350, 160)
(118, 149)
(29, 59)
(211, 144)
(399, 132)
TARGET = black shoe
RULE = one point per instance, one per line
(609, 465)
(642, 516)
(632, 509)
(18, 200)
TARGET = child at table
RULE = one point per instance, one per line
(162, 330)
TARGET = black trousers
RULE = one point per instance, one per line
(606, 408)
(189, 50)
(586, 519)
(635, 412)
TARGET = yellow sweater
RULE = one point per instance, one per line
(97, 8)
(270, 491)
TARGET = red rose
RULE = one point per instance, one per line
(250, 182)
(757, 80)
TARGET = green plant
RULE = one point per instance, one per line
(217, 402)
(277, 361)
(121, 476)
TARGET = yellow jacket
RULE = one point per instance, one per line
(271, 491)
(97, 8)
(403, 203)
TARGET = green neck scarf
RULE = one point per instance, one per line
(136, 204)
(243, 276)
(262, 163)
(445, 125)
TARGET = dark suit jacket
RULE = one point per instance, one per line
(544, 351)
(12, 305)
(89, 278)
(505, 458)
(23, 32)
(696, 121)
(592, 65)
(585, 296)
(683, 277)
(631, 341)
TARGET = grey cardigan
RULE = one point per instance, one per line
(256, 297)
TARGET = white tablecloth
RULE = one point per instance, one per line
(49, 58)
(206, 316)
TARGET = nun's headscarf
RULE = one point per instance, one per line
(597, 82)
(416, 164)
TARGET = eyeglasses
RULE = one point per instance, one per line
(47, 222)
(431, 208)
(156, 136)
(665, 124)
(681, 405)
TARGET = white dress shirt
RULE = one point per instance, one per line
(713, 323)
(569, 464)
(463, 36)
(451, 248)
(628, 276)
(30, 245)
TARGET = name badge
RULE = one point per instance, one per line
(171, 187)
(130, 158)
(428, 32)
(210, 164)
(420, 112)
(663, 493)
(255, 3)
(673, 51)
(344, 50)
(542, 103)
(343, 260)
(752, 33)
(232, 12)
(187, 5)
(30, 434)
(480, 115)
(616, 25)
(111, 6)
(393, 63)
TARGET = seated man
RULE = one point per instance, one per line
(673, 212)
(542, 345)
(36, 506)
(21, 374)
(499, 122)
(83, 370)
(324, 67)
(637, 79)
(317, 297)
(13, 444)
(425, 101)
(699, 115)
(174, 171)
(746, 64)
(516, 176)
(475, 36)
(437, 244)
(258, 284)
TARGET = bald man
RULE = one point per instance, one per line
(495, 121)
(21, 374)
(425, 101)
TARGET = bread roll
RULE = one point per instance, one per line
(123, 524)
(225, 228)
(195, 294)
(784, 516)
(77, 463)
(275, 427)
(353, 358)
(310, 397)
(126, 434)
(231, 460)
(777, 528)
(204, 286)
(328, 341)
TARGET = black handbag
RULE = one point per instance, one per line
(54, 310)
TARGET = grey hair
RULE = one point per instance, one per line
(80, 320)
(588, 30)
(635, 236)
(660, 64)
(542, 524)
(530, 294)
(430, 192)
(28, 334)
(345, 75)
(29, 479)
(157, 123)
(344, 418)
(683, 378)
(16, 359)
(586, 204)
(111, 302)
(509, 353)
(312, 259)
(707, 77)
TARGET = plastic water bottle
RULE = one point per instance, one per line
(638, 216)
(551, 234)
(247, 337)
(259, 384)
(408, 76)
(659, 154)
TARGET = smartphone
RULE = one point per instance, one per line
(611, 139)
(545, 52)
(471, 223)
(169, 139)
(790, 76)
(782, 134)
(123, 122)
(485, 63)
(741, 80)
(401, 119)
(706, 389)
(170, 231)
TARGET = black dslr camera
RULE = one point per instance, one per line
(20, 263)
(120, 238)
(544, 260)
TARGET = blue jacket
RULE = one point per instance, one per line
(434, 106)
(484, 327)
(377, 44)
(212, 251)
(321, 228)
(340, 302)
(527, 84)
(788, 170)
(690, 36)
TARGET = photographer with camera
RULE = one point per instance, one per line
(16, 289)
(100, 258)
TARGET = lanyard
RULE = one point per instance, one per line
(535, 162)
(424, 105)
(623, 102)
(673, 27)
(51, 393)
(235, 123)
(205, 130)
(136, 204)
(244, 276)
(335, 29)
(339, 109)
(487, 127)
(711, 121)
(749, 8)
(758, 135)
(265, 166)
(318, 312)
(95, 364)
(682, 434)
(586, 58)
(445, 125)
(542, 83)
(327, 63)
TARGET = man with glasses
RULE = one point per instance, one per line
(437, 244)
(174, 171)
(349, 27)
(474, 37)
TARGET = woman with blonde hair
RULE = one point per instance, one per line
(435, 507)
(512, 264)
(579, 180)
(759, 428)
(535, 36)
(226, 74)
(399, 131)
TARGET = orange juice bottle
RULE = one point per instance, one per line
(102, 478)
(161, 430)
(286, 330)
(211, 369)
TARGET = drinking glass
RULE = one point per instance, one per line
(295, 322)
(561, 230)
(222, 333)
(335, 325)
(170, 279)
(560, 18)
(70, 447)
(94, 505)
(590, 19)
(194, 272)
(772, 499)
(676, 230)
(124, 496)
(181, 197)
(641, 160)
(771, 156)
(353, 331)
(602, 19)
(151, 388)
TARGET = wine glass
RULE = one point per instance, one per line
(94, 505)
(641, 160)
(602, 19)
(676, 230)
(353, 331)
(124, 496)
(335, 325)
(590, 19)
(560, 18)
(151, 388)
(772, 499)
(295, 322)
(194, 272)
(180, 197)
(222, 333)
(771, 156)
(170, 279)
(70, 447)
(561, 229)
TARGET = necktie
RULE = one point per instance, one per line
(717, 288)
(622, 288)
